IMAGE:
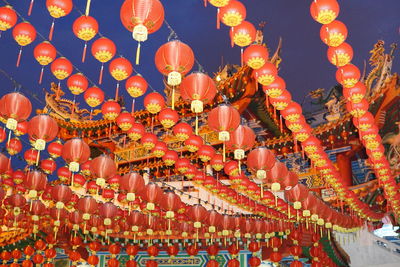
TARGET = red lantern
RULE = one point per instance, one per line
(111, 109)
(44, 53)
(206, 153)
(31, 156)
(58, 9)
(136, 86)
(85, 28)
(15, 107)
(154, 102)
(61, 68)
(170, 157)
(149, 140)
(243, 34)
(42, 129)
(94, 96)
(168, 117)
(182, 131)
(292, 112)
(55, 149)
(8, 18)
(77, 83)
(232, 14)
(260, 160)
(102, 167)
(120, 69)
(174, 59)
(224, 119)
(266, 75)
(276, 256)
(217, 162)
(103, 49)
(364, 122)
(254, 261)
(75, 152)
(64, 174)
(241, 140)
(233, 263)
(159, 149)
(348, 75)
(356, 93)
(255, 56)
(136, 131)
(24, 34)
(282, 101)
(357, 109)
(36, 182)
(198, 88)
(125, 121)
(193, 143)
(340, 55)
(324, 11)
(334, 33)
(152, 193)
(212, 263)
(218, 3)
(172, 251)
(132, 183)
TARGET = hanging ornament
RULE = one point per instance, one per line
(61, 68)
(324, 11)
(168, 117)
(334, 33)
(141, 17)
(136, 86)
(243, 35)
(356, 93)
(58, 9)
(44, 53)
(103, 49)
(24, 34)
(94, 96)
(85, 28)
(110, 110)
(120, 69)
(15, 108)
(8, 18)
(77, 83)
(232, 14)
(255, 56)
(154, 102)
(340, 55)
(348, 75)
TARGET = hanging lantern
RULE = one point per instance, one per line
(120, 69)
(206, 153)
(348, 75)
(42, 129)
(36, 182)
(193, 143)
(111, 109)
(334, 33)
(75, 152)
(141, 17)
(14, 146)
(149, 140)
(170, 157)
(136, 86)
(243, 34)
(15, 108)
(182, 131)
(61, 68)
(107, 211)
(281, 102)
(102, 167)
(125, 121)
(77, 83)
(260, 161)
(241, 140)
(103, 49)
(365, 122)
(48, 166)
(30, 156)
(168, 117)
(356, 93)
(58, 9)
(217, 162)
(182, 165)
(357, 109)
(292, 112)
(255, 56)
(200, 89)
(44, 53)
(24, 34)
(154, 102)
(324, 11)
(232, 14)
(151, 193)
(159, 149)
(85, 28)
(223, 119)
(266, 75)
(8, 18)
(340, 55)
(174, 59)
(132, 183)
(55, 149)
(94, 96)
(136, 131)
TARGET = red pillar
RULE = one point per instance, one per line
(344, 164)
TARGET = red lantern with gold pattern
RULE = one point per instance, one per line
(103, 49)
(149, 140)
(120, 69)
(193, 143)
(75, 152)
(340, 55)
(77, 83)
(170, 157)
(324, 11)
(174, 59)
(224, 119)
(168, 117)
(232, 14)
(292, 112)
(141, 17)
(255, 56)
(266, 75)
(125, 121)
(94, 96)
(61, 68)
(136, 131)
(356, 93)
(182, 131)
(206, 153)
(44, 53)
(334, 33)
(217, 162)
(136, 86)
(348, 75)
(24, 34)
(281, 102)
(58, 9)
(154, 102)
(357, 109)
(241, 140)
(159, 149)
(111, 109)
(55, 149)
(243, 34)
(85, 28)
(8, 18)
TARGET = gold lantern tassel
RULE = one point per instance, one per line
(87, 7)
(37, 158)
(197, 124)
(223, 152)
(262, 190)
(173, 98)
(138, 54)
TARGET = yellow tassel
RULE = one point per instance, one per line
(223, 152)
(138, 53)
(197, 124)
(87, 7)
(173, 98)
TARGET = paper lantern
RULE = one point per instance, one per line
(24, 34)
(61, 68)
(255, 56)
(58, 9)
(77, 83)
(340, 55)
(44, 53)
(136, 86)
(334, 33)
(103, 49)
(243, 34)
(8, 18)
(85, 28)
(324, 11)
